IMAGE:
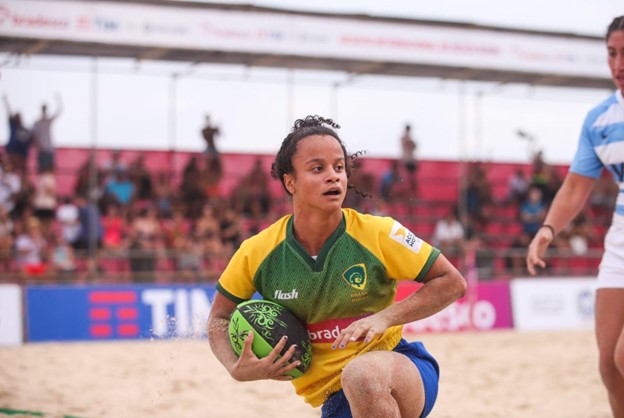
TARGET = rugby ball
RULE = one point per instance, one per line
(270, 321)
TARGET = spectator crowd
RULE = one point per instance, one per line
(124, 221)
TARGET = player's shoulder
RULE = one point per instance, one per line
(357, 219)
(600, 109)
(269, 237)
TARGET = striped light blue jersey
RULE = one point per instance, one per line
(601, 145)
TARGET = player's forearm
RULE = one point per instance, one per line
(219, 340)
(431, 298)
(569, 201)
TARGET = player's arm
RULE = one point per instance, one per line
(247, 367)
(442, 285)
(566, 205)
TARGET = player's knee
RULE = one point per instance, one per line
(357, 376)
(618, 359)
(610, 373)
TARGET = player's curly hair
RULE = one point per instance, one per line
(303, 128)
(616, 25)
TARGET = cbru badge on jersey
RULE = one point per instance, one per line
(356, 276)
(405, 237)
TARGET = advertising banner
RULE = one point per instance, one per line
(553, 304)
(117, 312)
(287, 34)
(10, 314)
(487, 306)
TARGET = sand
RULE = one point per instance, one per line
(486, 375)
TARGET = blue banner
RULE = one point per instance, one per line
(73, 313)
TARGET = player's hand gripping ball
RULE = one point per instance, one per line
(270, 321)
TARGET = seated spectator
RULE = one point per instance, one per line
(44, 201)
(476, 192)
(515, 260)
(448, 234)
(517, 188)
(10, 185)
(532, 211)
(30, 247)
(392, 187)
(121, 190)
(145, 240)
(114, 229)
(89, 180)
(68, 218)
(62, 262)
(114, 167)
(141, 178)
(6, 239)
(581, 233)
(252, 187)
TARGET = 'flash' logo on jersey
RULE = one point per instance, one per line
(405, 237)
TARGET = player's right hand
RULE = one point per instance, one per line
(537, 249)
(250, 367)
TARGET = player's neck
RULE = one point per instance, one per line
(313, 230)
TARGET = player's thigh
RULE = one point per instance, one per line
(388, 370)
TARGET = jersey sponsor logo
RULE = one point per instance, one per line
(328, 331)
(356, 276)
(281, 295)
(405, 237)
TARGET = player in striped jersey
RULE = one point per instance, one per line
(337, 271)
(601, 145)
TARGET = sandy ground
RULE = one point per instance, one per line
(496, 374)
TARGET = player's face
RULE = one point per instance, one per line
(320, 176)
(615, 48)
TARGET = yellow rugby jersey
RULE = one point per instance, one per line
(354, 275)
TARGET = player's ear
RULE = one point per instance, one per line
(289, 182)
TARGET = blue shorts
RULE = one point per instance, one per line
(337, 406)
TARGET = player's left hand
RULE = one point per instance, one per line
(366, 328)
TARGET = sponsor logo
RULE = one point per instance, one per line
(356, 276)
(405, 237)
(328, 331)
(281, 295)
(113, 314)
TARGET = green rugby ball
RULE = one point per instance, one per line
(270, 321)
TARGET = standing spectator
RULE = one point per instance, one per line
(19, 140)
(408, 158)
(210, 133)
(42, 136)
(44, 201)
(91, 230)
(192, 193)
(162, 194)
